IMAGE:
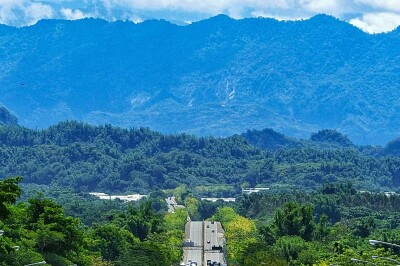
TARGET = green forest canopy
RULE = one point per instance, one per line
(110, 159)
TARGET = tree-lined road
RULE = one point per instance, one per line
(172, 204)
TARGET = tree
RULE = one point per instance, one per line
(363, 227)
(267, 234)
(295, 220)
(290, 247)
(322, 229)
(112, 241)
(146, 253)
(192, 205)
(142, 222)
(240, 232)
(57, 235)
(9, 193)
(257, 254)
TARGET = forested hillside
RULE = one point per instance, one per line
(330, 226)
(38, 230)
(269, 139)
(111, 159)
(217, 77)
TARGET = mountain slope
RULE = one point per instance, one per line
(6, 118)
(110, 159)
(217, 76)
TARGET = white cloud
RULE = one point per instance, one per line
(234, 6)
(276, 16)
(389, 5)
(6, 10)
(36, 11)
(332, 7)
(211, 7)
(372, 20)
(135, 19)
(187, 5)
(23, 12)
(377, 22)
(369, 15)
(71, 14)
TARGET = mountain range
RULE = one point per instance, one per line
(218, 77)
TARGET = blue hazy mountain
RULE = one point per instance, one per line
(6, 118)
(214, 77)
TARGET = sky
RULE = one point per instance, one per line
(373, 16)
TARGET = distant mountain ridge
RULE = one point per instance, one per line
(214, 77)
(6, 118)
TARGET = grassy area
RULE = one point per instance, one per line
(201, 190)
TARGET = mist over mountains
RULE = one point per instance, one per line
(214, 77)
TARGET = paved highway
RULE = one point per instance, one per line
(210, 235)
(196, 233)
(213, 256)
(203, 236)
(172, 204)
(195, 255)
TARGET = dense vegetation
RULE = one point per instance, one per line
(109, 159)
(39, 230)
(331, 136)
(327, 227)
(314, 214)
(105, 158)
(269, 139)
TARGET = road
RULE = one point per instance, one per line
(210, 235)
(214, 256)
(172, 204)
(195, 255)
(196, 233)
(204, 244)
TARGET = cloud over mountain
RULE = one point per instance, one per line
(377, 22)
(24, 12)
(370, 15)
